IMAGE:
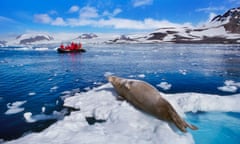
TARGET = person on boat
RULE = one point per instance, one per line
(68, 47)
(62, 46)
(79, 45)
(75, 46)
(72, 46)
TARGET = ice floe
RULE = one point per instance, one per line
(119, 122)
(141, 76)
(230, 86)
(165, 85)
(15, 107)
(30, 118)
(31, 93)
(53, 89)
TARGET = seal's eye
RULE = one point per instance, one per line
(128, 84)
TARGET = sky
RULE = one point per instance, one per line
(22, 16)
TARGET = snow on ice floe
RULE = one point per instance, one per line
(15, 107)
(230, 86)
(122, 122)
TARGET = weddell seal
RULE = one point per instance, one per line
(148, 99)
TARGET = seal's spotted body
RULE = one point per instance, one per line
(148, 99)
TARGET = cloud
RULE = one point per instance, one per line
(206, 22)
(211, 16)
(53, 12)
(46, 19)
(138, 3)
(73, 9)
(112, 22)
(211, 9)
(59, 22)
(42, 18)
(237, 2)
(88, 12)
(121, 23)
(114, 13)
(89, 16)
(117, 11)
(5, 19)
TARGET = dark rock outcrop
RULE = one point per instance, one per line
(231, 20)
(221, 29)
(88, 36)
(28, 39)
(3, 43)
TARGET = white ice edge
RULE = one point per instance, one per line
(124, 124)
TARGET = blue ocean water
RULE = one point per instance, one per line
(39, 77)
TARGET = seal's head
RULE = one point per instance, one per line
(116, 81)
(120, 84)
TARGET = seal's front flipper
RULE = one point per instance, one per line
(120, 98)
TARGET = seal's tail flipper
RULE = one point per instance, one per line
(179, 122)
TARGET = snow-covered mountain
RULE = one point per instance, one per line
(3, 43)
(230, 20)
(123, 39)
(221, 29)
(33, 38)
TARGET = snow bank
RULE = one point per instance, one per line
(119, 122)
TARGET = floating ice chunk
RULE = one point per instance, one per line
(53, 88)
(66, 92)
(131, 76)
(183, 71)
(40, 117)
(31, 93)
(231, 82)
(230, 86)
(98, 83)
(41, 49)
(15, 107)
(87, 88)
(194, 102)
(43, 109)
(108, 74)
(165, 85)
(28, 117)
(141, 76)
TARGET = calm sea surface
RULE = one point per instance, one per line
(34, 79)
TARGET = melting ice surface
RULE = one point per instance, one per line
(201, 82)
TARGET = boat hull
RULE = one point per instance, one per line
(60, 50)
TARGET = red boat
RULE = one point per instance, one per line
(71, 48)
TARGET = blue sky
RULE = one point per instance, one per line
(20, 16)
